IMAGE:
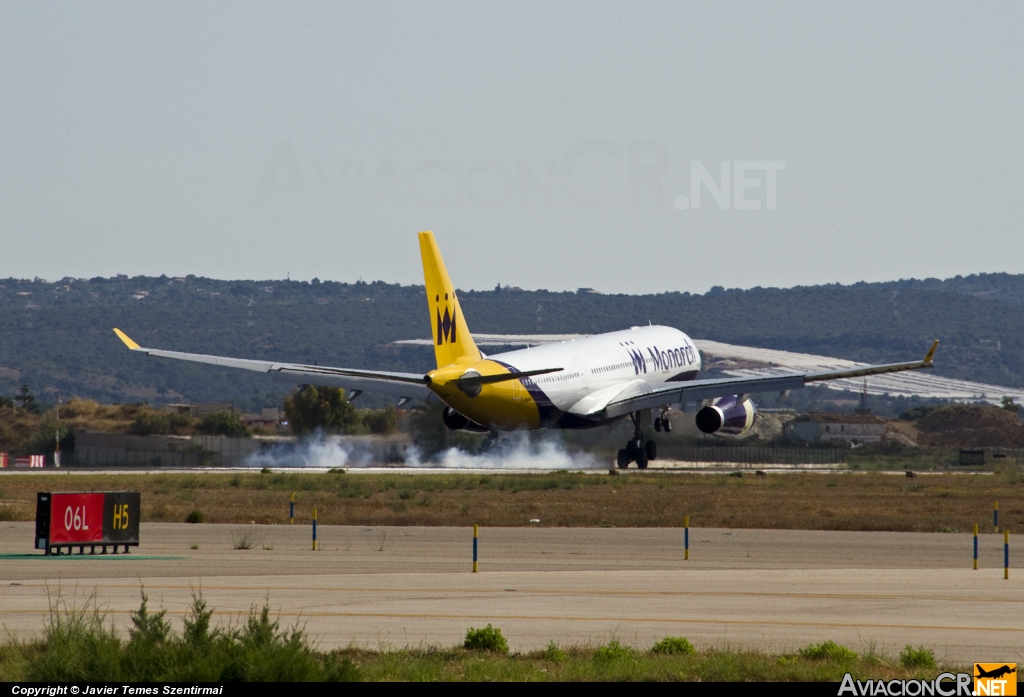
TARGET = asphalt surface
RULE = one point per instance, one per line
(765, 589)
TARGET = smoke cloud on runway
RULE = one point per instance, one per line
(316, 451)
(517, 452)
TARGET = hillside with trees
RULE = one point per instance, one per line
(57, 339)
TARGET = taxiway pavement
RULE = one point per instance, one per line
(774, 590)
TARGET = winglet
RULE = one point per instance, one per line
(134, 347)
(931, 352)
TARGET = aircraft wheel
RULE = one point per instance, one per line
(657, 424)
(641, 459)
(622, 460)
(651, 450)
(631, 451)
(666, 426)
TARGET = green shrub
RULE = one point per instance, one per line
(487, 639)
(612, 651)
(381, 421)
(160, 423)
(917, 413)
(554, 653)
(917, 658)
(223, 423)
(674, 645)
(195, 516)
(79, 646)
(325, 408)
(828, 651)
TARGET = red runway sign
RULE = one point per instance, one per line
(76, 518)
(93, 519)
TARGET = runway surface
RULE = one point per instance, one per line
(766, 589)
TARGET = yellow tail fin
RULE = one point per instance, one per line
(452, 342)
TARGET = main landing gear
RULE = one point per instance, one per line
(493, 442)
(636, 449)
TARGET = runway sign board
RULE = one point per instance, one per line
(26, 462)
(87, 519)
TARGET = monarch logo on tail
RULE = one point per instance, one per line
(446, 326)
(451, 344)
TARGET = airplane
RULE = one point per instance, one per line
(994, 673)
(581, 383)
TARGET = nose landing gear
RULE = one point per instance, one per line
(637, 450)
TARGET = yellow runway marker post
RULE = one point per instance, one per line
(314, 528)
(975, 546)
(1006, 554)
(476, 534)
(291, 510)
(686, 537)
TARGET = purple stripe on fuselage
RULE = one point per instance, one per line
(549, 413)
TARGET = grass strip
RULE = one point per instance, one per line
(792, 501)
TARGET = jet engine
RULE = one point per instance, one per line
(457, 422)
(727, 418)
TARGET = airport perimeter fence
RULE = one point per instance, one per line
(104, 449)
(757, 455)
(95, 449)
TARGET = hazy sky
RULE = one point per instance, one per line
(548, 145)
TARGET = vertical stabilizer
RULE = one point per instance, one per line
(452, 342)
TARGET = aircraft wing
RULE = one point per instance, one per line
(411, 385)
(639, 397)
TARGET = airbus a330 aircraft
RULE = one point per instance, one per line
(640, 372)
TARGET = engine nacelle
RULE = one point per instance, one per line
(727, 418)
(457, 422)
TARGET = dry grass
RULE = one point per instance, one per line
(80, 414)
(20, 431)
(840, 501)
(17, 429)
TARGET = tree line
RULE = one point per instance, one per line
(57, 338)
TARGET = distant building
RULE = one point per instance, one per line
(268, 418)
(198, 411)
(822, 426)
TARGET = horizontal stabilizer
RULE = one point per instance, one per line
(476, 380)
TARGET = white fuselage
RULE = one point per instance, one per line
(651, 355)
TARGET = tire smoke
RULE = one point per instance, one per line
(320, 451)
